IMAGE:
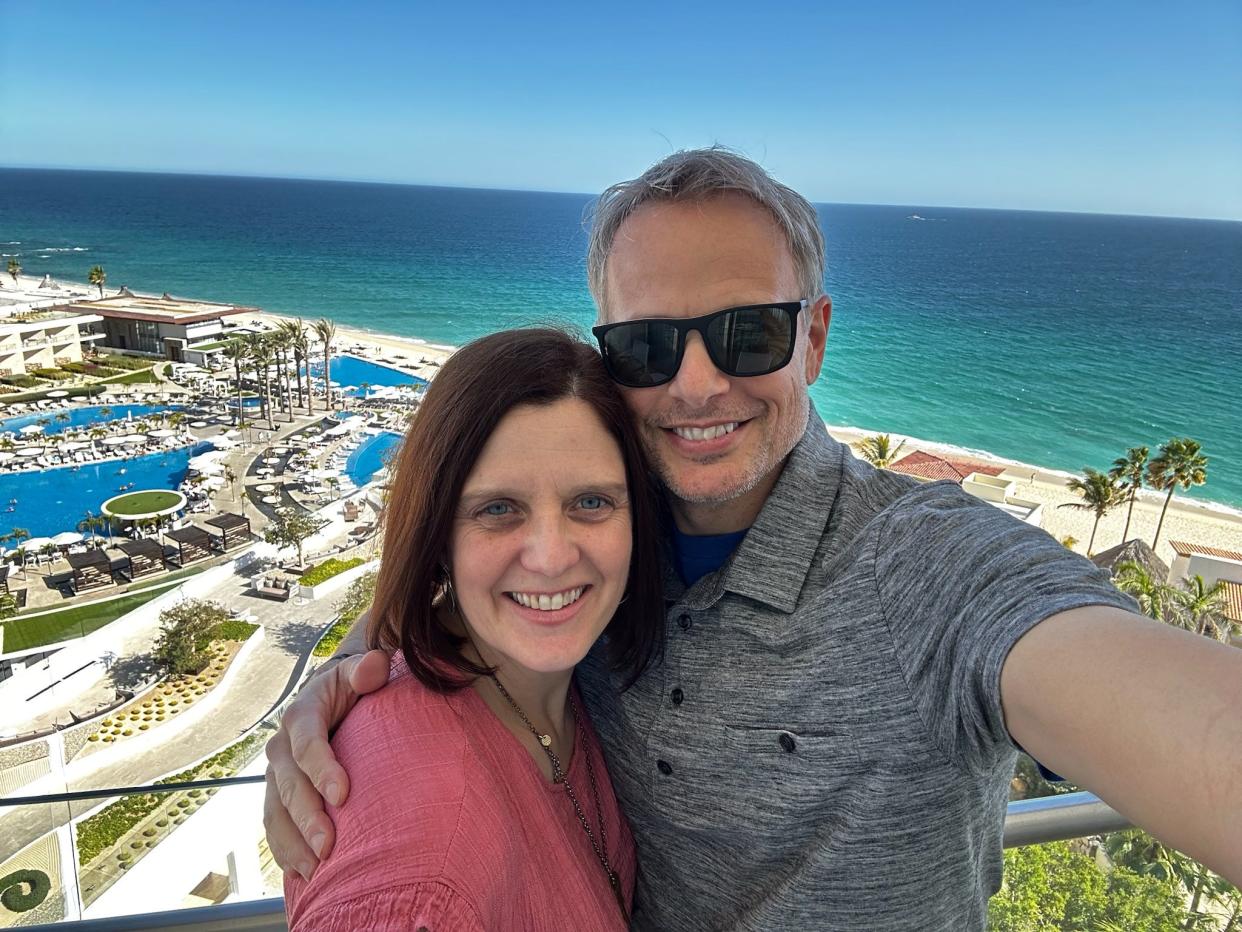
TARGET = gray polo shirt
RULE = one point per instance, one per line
(823, 745)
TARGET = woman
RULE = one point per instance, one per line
(520, 527)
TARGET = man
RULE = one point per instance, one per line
(853, 658)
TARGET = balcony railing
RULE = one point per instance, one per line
(1027, 822)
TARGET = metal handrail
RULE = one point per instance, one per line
(1027, 822)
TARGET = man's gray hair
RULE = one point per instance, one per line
(697, 174)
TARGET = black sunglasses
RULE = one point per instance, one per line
(742, 341)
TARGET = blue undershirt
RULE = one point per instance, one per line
(696, 555)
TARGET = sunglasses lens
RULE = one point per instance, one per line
(751, 341)
(643, 353)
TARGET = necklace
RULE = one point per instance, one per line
(559, 776)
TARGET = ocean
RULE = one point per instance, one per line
(1054, 339)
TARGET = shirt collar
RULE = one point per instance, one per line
(773, 561)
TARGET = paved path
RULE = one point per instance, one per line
(290, 630)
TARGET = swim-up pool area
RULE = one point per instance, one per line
(48, 501)
(352, 371)
(81, 417)
(371, 456)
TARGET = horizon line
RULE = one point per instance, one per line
(518, 190)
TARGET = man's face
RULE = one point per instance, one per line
(686, 260)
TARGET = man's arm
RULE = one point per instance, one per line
(302, 770)
(1146, 716)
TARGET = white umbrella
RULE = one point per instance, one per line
(114, 441)
(162, 432)
(71, 445)
(36, 543)
(59, 393)
(210, 458)
(30, 451)
(222, 443)
(65, 538)
(133, 438)
(6, 455)
(31, 429)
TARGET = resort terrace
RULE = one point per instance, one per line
(163, 326)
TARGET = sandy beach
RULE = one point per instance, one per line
(1191, 520)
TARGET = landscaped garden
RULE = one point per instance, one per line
(322, 572)
(357, 599)
(146, 503)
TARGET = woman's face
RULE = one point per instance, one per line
(540, 551)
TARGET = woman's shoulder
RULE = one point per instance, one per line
(403, 736)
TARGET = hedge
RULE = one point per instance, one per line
(17, 901)
(233, 630)
(99, 832)
(327, 569)
(357, 599)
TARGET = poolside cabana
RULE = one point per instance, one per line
(193, 544)
(145, 556)
(234, 529)
(91, 570)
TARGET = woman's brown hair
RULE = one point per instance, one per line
(474, 390)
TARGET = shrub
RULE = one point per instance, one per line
(143, 727)
(161, 823)
(94, 737)
(148, 833)
(327, 569)
(12, 896)
(182, 803)
(355, 601)
(124, 856)
(109, 738)
(135, 845)
(127, 732)
(232, 630)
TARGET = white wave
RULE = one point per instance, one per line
(64, 249)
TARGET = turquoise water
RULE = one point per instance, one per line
(53, 500)
(350, 371)
(372, 454)
(81, 417)
(1056, 339)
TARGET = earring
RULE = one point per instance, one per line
(447, 588)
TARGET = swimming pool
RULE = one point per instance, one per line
(82, 417)
(53, 500)
(371, 456)
(350, 370)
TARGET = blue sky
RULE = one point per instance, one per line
(1058, 105)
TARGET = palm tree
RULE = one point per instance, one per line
(261, 357)
(15, 269)
(282, 342)
(63, 418)
(1179, 462)
(1155, 598)
(238, 352)
(1099, 493)
(299, 345)
(97, 276)
(105, 412)
(326, 331)
(1127, 472)
(1204, 608)
(879, 451)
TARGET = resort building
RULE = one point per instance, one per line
(43, 339)
(979, 479)
(1212, 564)
(166, 327)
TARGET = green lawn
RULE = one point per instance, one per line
(22, 633)
(142, 375)
(144, 503)
(219, 344)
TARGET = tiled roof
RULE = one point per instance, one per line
(1184, 549)
(929, 466)
(1233, 601)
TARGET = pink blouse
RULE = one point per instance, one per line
(451, 825)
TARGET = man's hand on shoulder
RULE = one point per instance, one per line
(302, 770)
(1146, 716)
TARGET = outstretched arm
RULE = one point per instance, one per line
(1146, 716)
(302, 770)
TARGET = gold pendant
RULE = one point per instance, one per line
(545, 740)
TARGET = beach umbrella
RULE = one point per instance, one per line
(6, 455)
(58, 393)
(162, 432)
(222, 442)
(67, 538)
(31, 429)
(30, 451)
(133, 438)
(36, 543)
(113, 441)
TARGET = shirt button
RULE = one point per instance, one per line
(664, 767)
(685, 621)
(788, 742)
(677, 695)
